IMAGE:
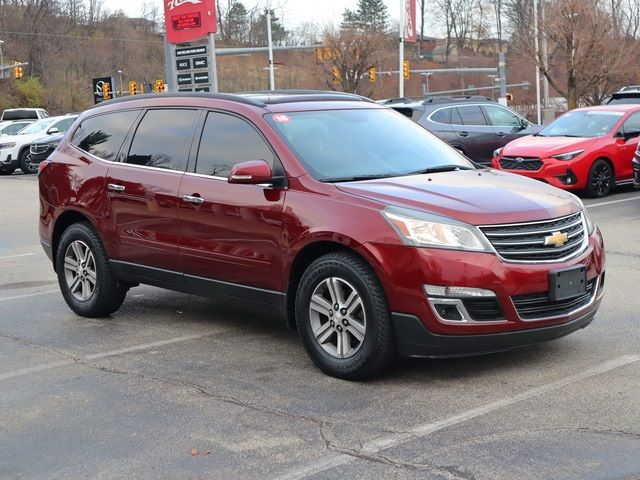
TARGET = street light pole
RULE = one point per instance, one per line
(272, 75)
(403, 12)
(121, 83)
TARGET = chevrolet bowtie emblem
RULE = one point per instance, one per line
(557, 239)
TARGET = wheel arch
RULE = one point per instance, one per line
(305, 257)
(64, 221)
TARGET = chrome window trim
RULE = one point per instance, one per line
(459, 304)
(577, 253)
(595, 296)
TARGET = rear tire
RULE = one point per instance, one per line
(25, 165)
(352, 339)
(601, 179)
(84, 274)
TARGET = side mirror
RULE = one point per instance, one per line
(251, 172)
(52, 130)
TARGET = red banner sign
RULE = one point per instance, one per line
(189, 20)
(411, 28)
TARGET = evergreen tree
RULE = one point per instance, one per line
(370, 15)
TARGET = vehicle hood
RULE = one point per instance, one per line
(543, 147)
(477, 197)
(22, 139)
(53, 138)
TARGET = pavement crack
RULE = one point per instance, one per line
(623, 254)
(609, 431)
(31, 343)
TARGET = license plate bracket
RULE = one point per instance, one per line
(567, 283)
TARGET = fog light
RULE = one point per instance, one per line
(456, 292)
(568, 178)
(448, 312)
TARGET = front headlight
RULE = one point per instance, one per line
(7, 145)
(568, 155)
(426, 230)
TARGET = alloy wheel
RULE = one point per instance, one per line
(601, 180)
(338, 318)
(80, 270)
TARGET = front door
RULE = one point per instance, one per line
(143, 189)
(626, 148)
(230, 233)
(474, 132)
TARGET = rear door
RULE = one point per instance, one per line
(438, 122)
(230, 232)
(474, 132)
(142, 189)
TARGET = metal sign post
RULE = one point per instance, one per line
(272, 76)
(403, 12)
(213, 64)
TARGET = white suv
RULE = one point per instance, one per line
(14, 149)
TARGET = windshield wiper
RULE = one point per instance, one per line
(440, 169)
(356, 178)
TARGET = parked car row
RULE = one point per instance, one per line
(16, 146)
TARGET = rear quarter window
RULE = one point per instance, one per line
(20, 115)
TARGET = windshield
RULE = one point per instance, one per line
(37, 127)
(13, 128)
(584, 124)
(343, 145)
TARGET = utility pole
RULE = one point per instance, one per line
(403, 12)
(1, 60)
(272, 76)
(545, 56)
(537, 53)
(213, 65)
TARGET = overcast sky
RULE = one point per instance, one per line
(293, 12)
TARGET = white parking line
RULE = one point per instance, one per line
(27, 295)
(112, 353)
(612, 202)
(9, 257)
(382, 443)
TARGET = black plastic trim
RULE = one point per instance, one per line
(206, 287)
(414, 340)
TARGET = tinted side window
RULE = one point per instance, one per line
(64, 125)
(162, 139)
(456, 119)
(442, 116)
(502, 117)
(103, 135)
(472, 115)
(632, 124)
(228, 140)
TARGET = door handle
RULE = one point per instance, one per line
(464, 134)
(115, 188)
(193, 199)
(501, 134)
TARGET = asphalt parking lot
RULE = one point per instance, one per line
(176, 386)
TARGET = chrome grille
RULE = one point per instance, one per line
(531, 164)
(525, 242)
(39, 148)
(536, 306)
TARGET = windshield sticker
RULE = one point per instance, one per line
(281, 118)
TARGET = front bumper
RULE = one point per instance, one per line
(404, 272)
(414, 340)
(8, 158)
(568, 175)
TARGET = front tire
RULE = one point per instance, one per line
(25, 164)
(600, 180)
(84, 274)
(343, 317)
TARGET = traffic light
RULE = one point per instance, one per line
(327, 53)
(406, 70)
(337, 77)
(132, 88)
(18, 72)
(106, 90)
(158, 86)
(509, 97)
(372, 74)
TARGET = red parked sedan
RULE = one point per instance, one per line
(369, 234)
(586, 149)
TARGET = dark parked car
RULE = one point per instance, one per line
(369, 234)
(42, 148)
(474, 125)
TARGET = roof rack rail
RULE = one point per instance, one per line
(452, 99)
(271, 97)
(214, 96)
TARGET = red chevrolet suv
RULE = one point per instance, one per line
(587, 149)
(372, 236)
